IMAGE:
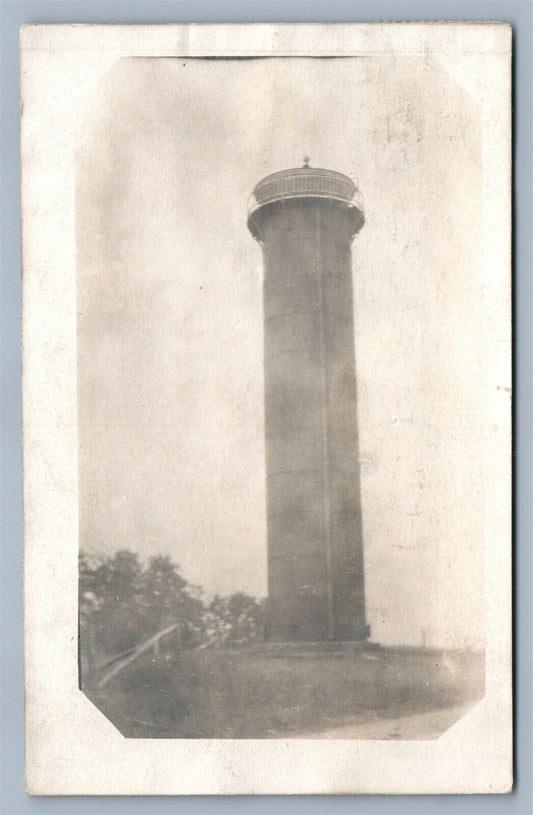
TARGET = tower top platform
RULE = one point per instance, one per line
(306, 183)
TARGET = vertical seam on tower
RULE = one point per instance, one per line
(325, 452)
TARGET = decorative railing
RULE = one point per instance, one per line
(305, 182)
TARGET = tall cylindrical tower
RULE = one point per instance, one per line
(305, 220)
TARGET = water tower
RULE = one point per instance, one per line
(305, 220)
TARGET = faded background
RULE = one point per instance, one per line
(170, 374)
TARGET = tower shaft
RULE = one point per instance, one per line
(315, 544)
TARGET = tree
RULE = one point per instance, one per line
(110, 593)
(235, 620)
(168, 598)
(122, 603)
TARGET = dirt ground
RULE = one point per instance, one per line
(300, 692)
(419, 727)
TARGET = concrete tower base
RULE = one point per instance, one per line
(313, 650)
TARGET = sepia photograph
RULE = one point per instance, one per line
(290, 387)
(241, 477)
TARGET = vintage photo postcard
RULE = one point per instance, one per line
(267, 408)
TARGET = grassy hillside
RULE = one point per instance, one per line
(264, 692)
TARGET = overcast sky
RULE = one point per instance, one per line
(170, 319)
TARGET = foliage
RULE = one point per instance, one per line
(235, 620)
(123, 602)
